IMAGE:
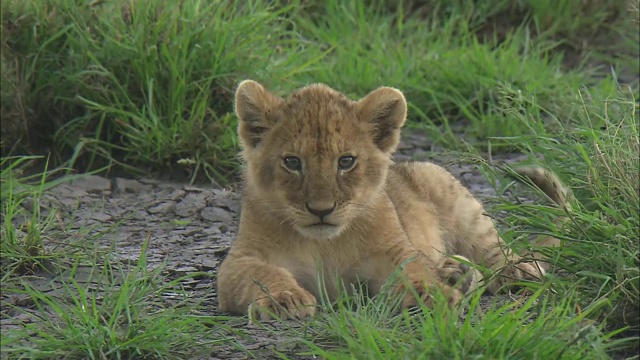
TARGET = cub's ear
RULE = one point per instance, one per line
(253, 108)
(385, 109)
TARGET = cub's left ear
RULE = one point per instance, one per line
(385, 109)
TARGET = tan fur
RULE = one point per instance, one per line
(552, 187)
(377, 215)
(548, 183)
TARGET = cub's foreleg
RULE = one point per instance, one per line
(249, 285)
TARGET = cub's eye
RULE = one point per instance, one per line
(292, 163)
(346, 162)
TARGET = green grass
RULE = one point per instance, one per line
(597, 159)
(64, 298)
(147, 86)
(23, 247)
(116, 313)
(151, 83)
(447, 72)
(130, 89)
(527, 328)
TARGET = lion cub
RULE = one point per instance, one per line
(322, 196)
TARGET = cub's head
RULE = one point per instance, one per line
(317, 159)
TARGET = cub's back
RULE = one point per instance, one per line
(409, 183)
(434, 208)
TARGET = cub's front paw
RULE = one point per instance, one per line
(458, 274)
(527, 271)
(287, 304)
(426, 292)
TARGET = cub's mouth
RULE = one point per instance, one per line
(320, 230)
(322, 224)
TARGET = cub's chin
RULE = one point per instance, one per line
(320, 231)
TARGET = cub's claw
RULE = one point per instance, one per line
(288, 304)
(425, 293)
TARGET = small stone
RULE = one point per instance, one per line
(213, 230)
(202, 286)
(192, 188)
(206, 265)
(150, 181)
(220, 250)
(143, 198)
(100, 217)
(225, 199)
(92, 183)
(132, 186)
(174, 239)
(141, 215)
(186, 269)
(177, 195)
(216, 214)
(191, 204)
(67, 194)
(192, 231)
(163, 208)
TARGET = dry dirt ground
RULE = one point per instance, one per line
(190, 229)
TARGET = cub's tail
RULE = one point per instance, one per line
(549, 183)
(552, 187)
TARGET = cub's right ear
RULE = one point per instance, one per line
(253, 108)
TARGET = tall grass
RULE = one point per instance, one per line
(597, 158)
(150, 84)
(149, 81)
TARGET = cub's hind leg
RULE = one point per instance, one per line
(462, 224)
(477, 239)
(510, 268)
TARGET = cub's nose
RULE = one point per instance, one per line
(320, 210)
